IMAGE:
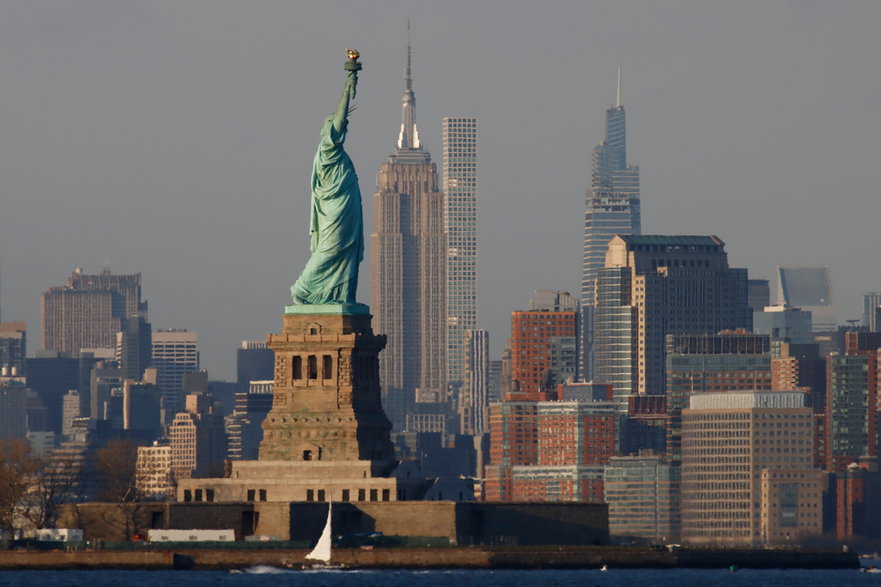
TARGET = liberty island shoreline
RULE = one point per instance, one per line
(551, 557)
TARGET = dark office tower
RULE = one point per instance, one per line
(244, 429)
(13, 347)
(141, 408)
(135, 347)
(105, 379)
(784, 324)
(460, 200)
(851, 404)
(871, 304)
(51, 376)
(89, 310)
(613, 207)
(705, 363)
(809, 288)
(851, 401)
(175, 352)
(13, 408)
(759, 294)
(655, 285)
(494, 389)
(254, 362)
(408, 268)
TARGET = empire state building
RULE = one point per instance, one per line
(408, 271)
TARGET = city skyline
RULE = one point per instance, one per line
(173, 158)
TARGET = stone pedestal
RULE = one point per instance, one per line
(327, 404)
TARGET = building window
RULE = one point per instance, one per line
(313, 367)
(262, 495)
(198, 495)
(320, 495)
(209, 495)
(361, 495)
(188, 495)
(386, 494)
(307, 455)
(327, 367)
(310, 495)
(373, 495)
(298, 368)
(345, 495)
(251, 493)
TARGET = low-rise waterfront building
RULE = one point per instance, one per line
(643, 497)
(747, 474)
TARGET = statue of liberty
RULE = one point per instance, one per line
(336, 226)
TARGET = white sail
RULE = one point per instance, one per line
(321, 552)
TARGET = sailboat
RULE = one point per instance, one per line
(321, 552)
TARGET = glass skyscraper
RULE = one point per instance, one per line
(612, 207)
(460, 221)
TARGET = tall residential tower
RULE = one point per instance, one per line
(460, 216)
(409, 267)
(612, 208)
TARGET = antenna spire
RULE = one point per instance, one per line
(618, 94)
(407, 76)
(409, 137)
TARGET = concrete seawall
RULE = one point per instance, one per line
(428, 558)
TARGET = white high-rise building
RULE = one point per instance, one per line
(153, 477)
(175, 352)
(70, 411)
(460, 221)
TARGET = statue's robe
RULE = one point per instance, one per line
(336, 225)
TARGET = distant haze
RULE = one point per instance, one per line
(176, 139)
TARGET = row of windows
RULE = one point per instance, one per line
(312, 367)
(208, 495)
(374, 494)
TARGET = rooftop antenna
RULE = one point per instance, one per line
(618, 94)
(408, 78)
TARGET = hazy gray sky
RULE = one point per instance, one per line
(175, 138)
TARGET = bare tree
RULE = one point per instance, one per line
(18, 469)
(52, 486)
(117, 471)
(118, 479)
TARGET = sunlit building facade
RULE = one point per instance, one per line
(655, 285)
(747, 472)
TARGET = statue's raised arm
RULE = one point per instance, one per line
(342, 112)
(336, 226)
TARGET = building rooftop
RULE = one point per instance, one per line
(671, 240)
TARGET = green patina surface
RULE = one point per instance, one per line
(336, 227)
(351, 309)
